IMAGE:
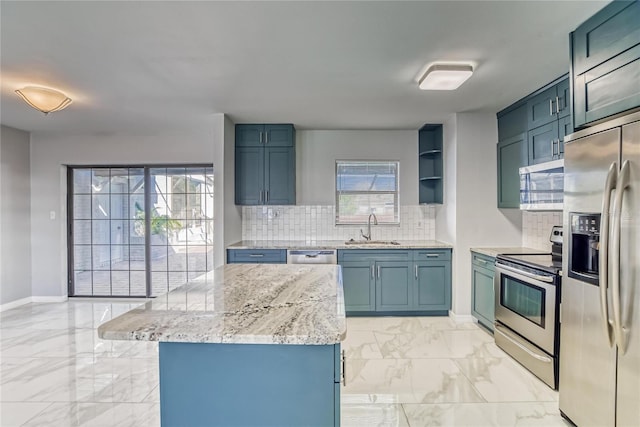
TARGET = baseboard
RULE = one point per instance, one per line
(461, 318)
(62, 298)
(14, 304)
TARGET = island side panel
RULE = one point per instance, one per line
(248, 385)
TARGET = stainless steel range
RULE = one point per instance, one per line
(527, 297)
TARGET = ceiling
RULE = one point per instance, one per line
(140, 66)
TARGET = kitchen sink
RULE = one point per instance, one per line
(371, 242)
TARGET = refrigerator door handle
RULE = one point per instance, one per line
(609, 186)
(621, 185)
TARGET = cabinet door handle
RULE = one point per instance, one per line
(557, 105)
(266, 136)
(260, 197)
(416, 269)
(344, 367)
(553, 147)
(551, 107)
(266, 196)
(378, 272)
(260, 137)
(372, 272)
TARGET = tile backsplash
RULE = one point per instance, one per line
(536, 228)
(317, 222)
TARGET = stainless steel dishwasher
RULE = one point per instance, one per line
(310, 256)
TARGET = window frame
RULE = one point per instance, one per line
(396, 193)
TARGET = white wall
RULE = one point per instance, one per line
(478, 221)
(15, 224)
(50, 154)
(318, 150)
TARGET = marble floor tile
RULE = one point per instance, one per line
(424, 343)
(98, 415)
(361, 345)
(385, 324)
(505, 380)
(14, 414)
(406, 381)
(471, 343)
(485, 415)
(372, 415)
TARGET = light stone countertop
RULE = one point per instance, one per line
(243, 304)
(336, 244)
(494, 252)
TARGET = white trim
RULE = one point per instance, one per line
(461, 318)
(62, 298)
(14, 304)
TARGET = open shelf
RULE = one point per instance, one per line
(430, 185)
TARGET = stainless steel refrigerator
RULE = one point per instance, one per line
(600, 311)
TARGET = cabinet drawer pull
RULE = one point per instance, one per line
(433, 255)
(256, 255)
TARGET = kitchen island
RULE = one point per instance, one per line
(246, 345)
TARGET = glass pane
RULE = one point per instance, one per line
(196, 258)
(177, 180)
(101, 232)
(119, 206)
(177, 206)
(100, 181)
(136, 180)
(136, 206)
(100, 206)
(159, 258)
(177, 279)
(159, 283)
(82, 257)
(138, 283)
(82, 181)
(120, 257)
(81, 207)
(524, 299)
(119, 232)
(196, 232)
(137, 257)
(101, 257)
(82, 283)
(82, 232)
(355, 208)
(367, 176)
(102, 283)
(120, 283)
(178, 260)
(119, 180)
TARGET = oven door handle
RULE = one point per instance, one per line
(539, 357)
(545, 279)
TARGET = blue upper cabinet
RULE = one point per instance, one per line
(265, 165)
(605, 63)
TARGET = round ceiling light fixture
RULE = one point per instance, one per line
(44, 99)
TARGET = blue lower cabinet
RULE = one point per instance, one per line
(482, 289)
(359, 285)
(393, 286)
(396, 282)
(256, 256)
(248, 385)
(433, 285)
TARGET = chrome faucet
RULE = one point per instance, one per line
(375, 222)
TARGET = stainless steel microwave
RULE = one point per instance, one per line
(542, 186)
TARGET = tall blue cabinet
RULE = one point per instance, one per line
(265, 164)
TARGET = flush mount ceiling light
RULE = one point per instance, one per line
(44, 99)
(445, 76)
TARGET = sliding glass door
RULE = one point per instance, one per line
(138, 231)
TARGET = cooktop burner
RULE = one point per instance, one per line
(544, 262)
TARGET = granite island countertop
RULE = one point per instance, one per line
(494, 252)
(243, 304)
(336, 244)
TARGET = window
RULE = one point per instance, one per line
(365, 187)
